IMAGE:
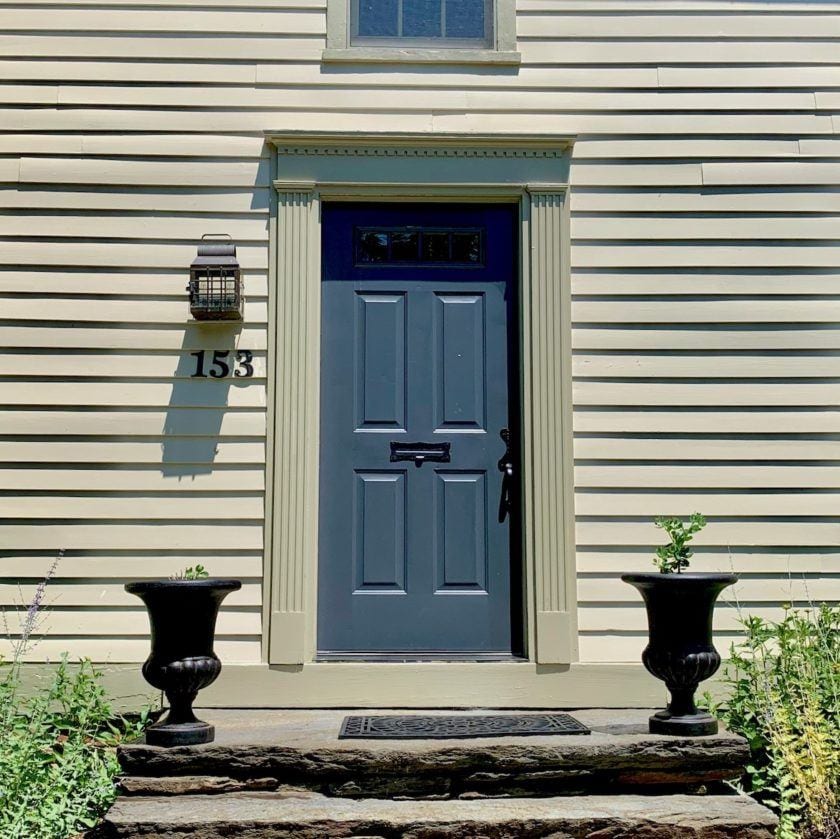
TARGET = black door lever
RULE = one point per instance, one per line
(506, 468)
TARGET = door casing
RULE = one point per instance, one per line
(530, 172)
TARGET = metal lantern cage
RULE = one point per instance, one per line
(215, 287)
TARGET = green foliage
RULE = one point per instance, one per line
(57, 756)
(675, 555)
(785, 681)
(57, 741)
(197, 573)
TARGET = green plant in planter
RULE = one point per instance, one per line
(199, 572)
(675, 556)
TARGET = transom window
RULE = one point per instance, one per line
(419, 246)
(436, 23)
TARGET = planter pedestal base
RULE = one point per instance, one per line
(180, 734)
(686, 725)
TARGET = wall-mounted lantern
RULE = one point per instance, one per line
(216, 280)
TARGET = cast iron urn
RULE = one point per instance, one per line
(182, 615)
(680, 649)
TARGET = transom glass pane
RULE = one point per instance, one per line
(459, 22)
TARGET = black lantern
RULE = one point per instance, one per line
(216, 280)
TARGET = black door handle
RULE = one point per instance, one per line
(506, 468)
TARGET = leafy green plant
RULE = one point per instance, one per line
(199, 572)
(57, 743)
(785, 699)
(676, 554)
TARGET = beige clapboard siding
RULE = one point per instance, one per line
(784, 562)
(129, 565)
(704, 394)
(93, 478)
(163, 284)
(108, 311)
(647, 227)
(115, 365)
(85, 536)
(705, 204)
(134, 226)
(190, 423)
(422, 120)
(232, 650)
(63, 594)
(706, 336)
(179, 335)
(717, 309)
(745, 504)
(708, 476)
(189, 393)
(208, 201)
(743, 532)
(98, 621)
(108, 254)
(698, 422)
(133, 506)
(730, 199)
(611, 647)
(657, 365)
(283, 98)
(633, 618)
(195, 452)
(655, 447)
(705, 282)
(749, 589)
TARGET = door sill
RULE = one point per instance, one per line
(413, 656)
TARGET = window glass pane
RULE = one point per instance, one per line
(421, 19)
(372, 247)
(436, 247)
(404, 247)
(466, 247)
(464, 18)
(378, 18)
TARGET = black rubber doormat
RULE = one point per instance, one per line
(458, 726)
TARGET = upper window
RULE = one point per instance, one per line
(440, 31)
(432, 23)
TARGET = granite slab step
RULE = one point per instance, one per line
(302, 748)
(290, 814)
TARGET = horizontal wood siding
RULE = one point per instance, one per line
(705, 272)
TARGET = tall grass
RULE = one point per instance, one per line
(57, 755)
(785, 683)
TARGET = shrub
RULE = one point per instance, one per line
(785, 683)
(57, 755)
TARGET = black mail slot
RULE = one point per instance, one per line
(420, 452)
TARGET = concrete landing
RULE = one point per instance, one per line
(298, 815)
(261, 750)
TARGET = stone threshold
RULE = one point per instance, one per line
(262, 750)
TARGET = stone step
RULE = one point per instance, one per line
(297, 814)
(260, 750)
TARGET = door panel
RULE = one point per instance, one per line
(418, 308)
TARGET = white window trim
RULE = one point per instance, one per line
(503, 51)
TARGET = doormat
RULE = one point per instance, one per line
(459, 726)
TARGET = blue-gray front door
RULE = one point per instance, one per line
(417, 493)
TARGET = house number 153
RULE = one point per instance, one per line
(220, 364)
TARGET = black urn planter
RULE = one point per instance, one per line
(182, 615)
(680, 649)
